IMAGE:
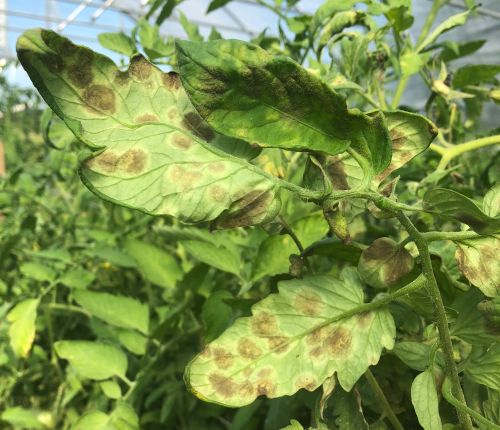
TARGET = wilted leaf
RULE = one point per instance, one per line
(452, 205)
(22, 326)
(425, 401)
(293, 340)
(478, 260)
(120, 311)
(245, 92)
(157, 266)
(151, 146)
(93, 360)
(384, 263)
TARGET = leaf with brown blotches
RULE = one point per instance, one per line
(152, 151)
(294, 339)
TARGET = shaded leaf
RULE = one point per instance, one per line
(425, 401)
(38, 271)
(485, 369)
(216, 314)
(120, 311)
(111, 389)
(213, 255)
(93, 360)
(118, 42)
(293, 341)
(384, 263)
(475, 74)
(22, 319)
(23, 418)
(245, 92)
(491, 201)
(414, 354)
(452, 205)
(447, 25)
(151, 149)
(133, 341)
(157, 266)
(77, 278)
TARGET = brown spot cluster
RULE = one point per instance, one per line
(249, 210)
(181, 141)
(140, 68)
(308, 302)
(306, 381)
(223, 385)
(80, 71)
(185, 178)
(329, 342)
(248, 349)
(100, 98)
(278, 344)
(223, 359)
(148, 117)
(121, 78)
(192, 121)
(217, 167)
(398, 138)
(132, 161)
(218, 193)
(336, 172)
(365, 319)
(171, 80)
(264, 324)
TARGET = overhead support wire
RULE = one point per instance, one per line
(71, 17)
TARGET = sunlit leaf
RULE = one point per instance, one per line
(22, 418)
(491, 201)
(118, 42)
(111, 389)
(150, 146)
(93, 360)
(22, 326)
(293, 341)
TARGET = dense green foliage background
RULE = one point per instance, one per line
(143, 295)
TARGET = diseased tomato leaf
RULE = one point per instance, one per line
(151, 149)
(293, 340)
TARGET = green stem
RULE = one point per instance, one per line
(297, 242)
(440, 315)
(433, 236)
(455, 151)
(448, 395)
(431, 17)
(399, 91)
(379, 394)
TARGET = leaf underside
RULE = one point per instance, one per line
(152, 149)
(291, 342)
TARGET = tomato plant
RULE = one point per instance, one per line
(280, 227)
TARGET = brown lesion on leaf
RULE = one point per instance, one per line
(68, 48)
(264, 324)
(246, 389)
(223, 359)
(248, 349)
(121, 78)
(185, 178)
(218, 193)
(140, 68)
(365, 319)
(217, 167)
(308, 302)
(475, 223)
(192, 121)
(265, 387)
(53, 62)
(338, 341)
(222, 385)
(105, 162)
(306, 381)
(181, 141)
(171, 80)
(336, 172)
(316, 352)
(172, 113)
(316, 336)
(80, 75)
(100, 98)
(398, 138)
(249, 210)
(278, 344)
(206, 352)
(132, 161)
(148, 117)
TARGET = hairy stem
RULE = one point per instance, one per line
(441, 320)
(297, 242)
(433, 236)
(448, 395)
(379, 394)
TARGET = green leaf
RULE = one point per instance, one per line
(447, 25)
(113, 256)
(22, 418)
(22, 319)
(157, 266)
(151, 149)
(414, 354)
(216, 4)
(425, 401)
(491, 408)
(167, 10)
(122, 418)
(452, 205)
(328, 9)
(192, 30)
(294, 339)
(245, 92)
(213, 255)
(475, 74)
(93, 360)
(453, 50)
(347, 410)
(133, 341)
(294, 425)
(485, 369)
(478, 260)
(111, 389)
(337, 24)
(118, 42)
(120, 311)
(491, 202)
(55, 133)
(95, 420)
(37, 271)
(411, 62)
(216, 314)
(384, 263)
(77, 278)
